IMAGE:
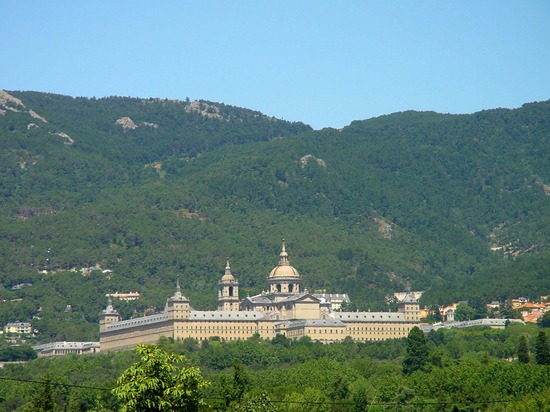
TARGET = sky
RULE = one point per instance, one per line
(325, 63)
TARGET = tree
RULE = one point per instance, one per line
(241, 381)
(258, 403)
(544, 320)
(542, 349)
(507, 311)
(43, 402)
(282, 340)
(312, 399)
(159, 382)
(523, 350)
(466, 312)
(417, 351)
(233, 391)
(435, 315)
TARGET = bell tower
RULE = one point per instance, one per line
(228, 291)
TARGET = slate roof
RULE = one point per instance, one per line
(225, 315)
(370, 316)
(65, 345)
(315, 322)
(145, 320)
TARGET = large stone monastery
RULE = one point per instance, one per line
(286, 308)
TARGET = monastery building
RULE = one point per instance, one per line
(286, 308)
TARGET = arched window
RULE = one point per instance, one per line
(230, 290)
(278, 287)
(290, 287)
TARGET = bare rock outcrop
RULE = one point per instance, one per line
(304, 160)
(7, 101)
(129, 124)
(126, 123)
(204, 109)
(66, 137)
(385, 228)
(13, 104)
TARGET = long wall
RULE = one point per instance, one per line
(205, 325)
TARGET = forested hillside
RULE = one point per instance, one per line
(149, 190)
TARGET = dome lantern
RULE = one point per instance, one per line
(284, 278)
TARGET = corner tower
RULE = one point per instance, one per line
(284, 278)
(409, 306)
(177, 306)
(107, 316)
(228, 291)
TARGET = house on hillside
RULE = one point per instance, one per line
(124, 296)
(22, 328)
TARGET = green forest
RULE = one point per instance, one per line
(478, 369)
(141, 192)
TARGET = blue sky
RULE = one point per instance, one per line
(325, 63)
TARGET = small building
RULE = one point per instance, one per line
(23, 328)
(65, 348)
(519, 302)
(335, 300)
(124, 296)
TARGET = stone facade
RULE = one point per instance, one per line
(286, 309)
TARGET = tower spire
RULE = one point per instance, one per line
(109, 309)
(408, 295)
(178, 295)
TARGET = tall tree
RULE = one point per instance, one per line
(417, 351)
(544, 320)
(159, 382)
(241, 381)
(542, 349)
(43, 402)
(523, 350)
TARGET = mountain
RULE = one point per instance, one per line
(149, 190)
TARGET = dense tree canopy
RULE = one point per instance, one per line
(159, 382)
(464, 369)
(457, 204)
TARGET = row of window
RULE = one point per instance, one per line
(377, 328)
(216, 328)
